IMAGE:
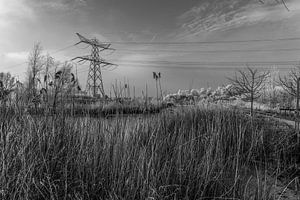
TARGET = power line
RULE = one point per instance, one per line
(196, 65)
(221, 63)
(52, 53)
(233, 65)
(174, 67)
(209, 51)
(16, 65)
(62, 49)
(205, 42)
(285, 63)
(189, 43)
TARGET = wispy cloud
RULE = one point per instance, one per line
(20, 56)
(100, 37)
(14, 62)
(214, 15)
(12, 11)
(63, 5)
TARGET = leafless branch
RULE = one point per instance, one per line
(249, 83)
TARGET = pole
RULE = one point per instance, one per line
(297, 110)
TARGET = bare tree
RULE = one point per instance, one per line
(249, 83)
(35, 65)
(289, 82)
(7, 84)
(270, 92)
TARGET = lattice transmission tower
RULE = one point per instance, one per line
(94, 84)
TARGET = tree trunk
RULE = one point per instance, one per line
(252, 93)
(251, 108)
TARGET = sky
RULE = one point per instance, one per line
(182, 39)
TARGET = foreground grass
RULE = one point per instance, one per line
(191, 154)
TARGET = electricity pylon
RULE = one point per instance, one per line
(94, 80)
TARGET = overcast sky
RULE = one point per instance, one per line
(139, 29)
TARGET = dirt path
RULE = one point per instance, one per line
(288, 122)
(279, 190)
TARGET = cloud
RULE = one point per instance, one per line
(14, 62)
(139, 58)
(143, 58)
(12, 11)
(23, 55)
(61, 5)
(213, 15)
(100, 37)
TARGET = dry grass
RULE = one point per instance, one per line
(191, 154)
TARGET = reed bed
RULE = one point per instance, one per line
(102, 110)
(199, 153)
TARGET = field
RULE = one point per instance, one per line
(150, 100)
(191, 153)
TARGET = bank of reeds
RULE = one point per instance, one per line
(102, 110)
(189, 154)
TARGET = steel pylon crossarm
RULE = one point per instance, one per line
(94, 80)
